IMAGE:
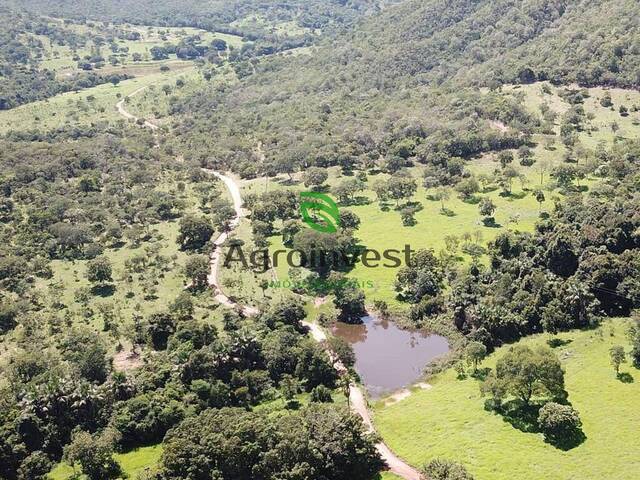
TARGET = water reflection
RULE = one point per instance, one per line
(388, 358)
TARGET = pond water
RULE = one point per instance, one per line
(387, 357)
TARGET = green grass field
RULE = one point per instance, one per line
(59, 58)
(449, 420)
(84, 108)
(389, 476)
(94, 105)
(599, 128)
(383, 229)
(132, 463)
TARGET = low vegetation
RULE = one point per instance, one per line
(487, 151)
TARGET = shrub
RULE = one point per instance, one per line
(559, 423)
(440, 469)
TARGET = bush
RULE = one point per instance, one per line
(440, 469)
(559, 423)
(321, 394)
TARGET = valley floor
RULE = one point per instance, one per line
(449, 420)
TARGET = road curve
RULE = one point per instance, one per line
(359, 406)
(234, 190)
(356, 396)
(129, 116)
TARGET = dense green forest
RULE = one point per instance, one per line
(217, 15)
(407, 81)
(430, 118)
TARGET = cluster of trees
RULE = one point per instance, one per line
(316, 442)
(325, 255)
(74, 199)
(579, 264)
(63, 397)
(216, 15)
(190, 48)
(535, 378)
(22, 80)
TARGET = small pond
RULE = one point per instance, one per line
(387, 357)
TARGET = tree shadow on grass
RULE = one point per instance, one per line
(490, 222)
(511, 196)
(358, 200)
(558, 342)
(103, 290)
(521, 416)
(625, 377)
(447, 212)
(567, 443)
(524, 417)
(471, 200)
(288, 181)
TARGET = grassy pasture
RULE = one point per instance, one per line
(59, 58)
(382, 228)
(147, 293)
(599, 128)
(133, 463)
(290, 28)
(449, 421)
(135, 297)
(84, 108)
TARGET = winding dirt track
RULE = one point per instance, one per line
(359, 405)
(356, 396)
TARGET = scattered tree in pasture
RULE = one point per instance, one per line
(475, 353)
(195, 232)
(559, 423)
(440, 469)
(314, 177)
(442, 194)
(540, 197)
(525, 373)
(618, 357)
(468, 187)
(505, 158)
(487, 208)
(401, 187)
(99, 271)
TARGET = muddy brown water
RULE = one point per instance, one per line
(387, 357)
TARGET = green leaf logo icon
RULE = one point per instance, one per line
(320, 212)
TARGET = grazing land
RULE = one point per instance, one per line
(145, 142)
(449, 420)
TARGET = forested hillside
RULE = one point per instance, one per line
(220, 15)
(404, 82)
(143, 142)
(505, 41)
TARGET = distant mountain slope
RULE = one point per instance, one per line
(207, 14)
(411, 73)
(590, 41)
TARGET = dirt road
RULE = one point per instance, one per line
(359, 405)
(215, 256)
(356, 396)
(129, 116)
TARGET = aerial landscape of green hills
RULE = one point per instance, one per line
(319, 240)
